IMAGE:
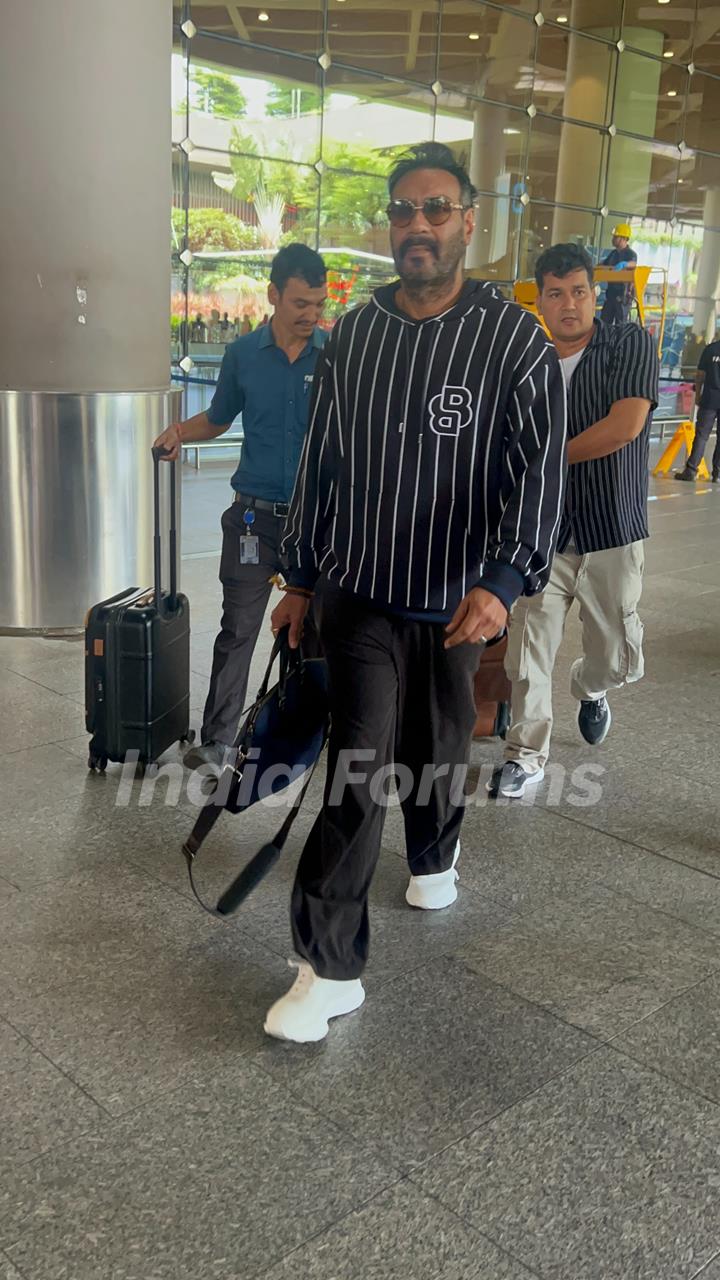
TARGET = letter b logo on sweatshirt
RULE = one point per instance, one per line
(450, 411)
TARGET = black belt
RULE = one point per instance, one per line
(279, 509)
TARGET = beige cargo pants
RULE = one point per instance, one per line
(607, 586)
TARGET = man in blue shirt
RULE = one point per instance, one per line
(267, 376)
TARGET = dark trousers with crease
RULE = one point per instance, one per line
(704, 424)
(246, 591)
(397, 695)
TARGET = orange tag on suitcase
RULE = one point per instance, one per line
(98, 648)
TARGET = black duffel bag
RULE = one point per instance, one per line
(281, 739)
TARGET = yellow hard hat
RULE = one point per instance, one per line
(623, 229)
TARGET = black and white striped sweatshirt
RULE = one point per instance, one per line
(435, 456)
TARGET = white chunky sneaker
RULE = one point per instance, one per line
(304, 1013)
(432, 893)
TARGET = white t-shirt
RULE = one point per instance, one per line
(570, 364)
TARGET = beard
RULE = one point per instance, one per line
(435, 267)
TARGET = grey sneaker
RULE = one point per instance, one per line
(206, 753)
(511, 780)
(594, 720)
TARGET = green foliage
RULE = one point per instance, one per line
(354, 187)
(354, 190)
(342, 155)
(217, 94)
(278, 177)
(286, 102)
(688, 237)
(213, 229)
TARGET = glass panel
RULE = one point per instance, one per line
(520, 6)
(566, 162)
(353, 278)
(573, 76)
(599, 16)
(703, 103)
(490, 140)
(698, 182)
(706, 47)
(398, 40)
(655, 27)
(267, 105)
(296, 27)
(352, 210)
(695, 254)
(693, 295)
(665, 250)
(271, 202)
(487, 53)
(370, 116)
(493, 250)
(642, 178)
(227, 281)
(544, 225)
(650, 239)
(650, 97)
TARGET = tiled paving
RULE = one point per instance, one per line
(532, 1088)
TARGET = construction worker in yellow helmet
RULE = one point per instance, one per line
(618, 298)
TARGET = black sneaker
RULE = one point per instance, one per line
(594, 720)
(511, 780)
(715, 476)
(685, 474)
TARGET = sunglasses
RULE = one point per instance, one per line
(436, 210)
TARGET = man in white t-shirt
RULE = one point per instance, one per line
(611, 373)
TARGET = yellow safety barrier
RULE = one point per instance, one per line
(683, 437)
(525, 292)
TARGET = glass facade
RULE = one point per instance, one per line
(571, 115)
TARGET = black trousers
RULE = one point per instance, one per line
(615, 310)
(396, 695)
(246, 591)
(704, 424)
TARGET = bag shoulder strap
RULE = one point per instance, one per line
(258, 866)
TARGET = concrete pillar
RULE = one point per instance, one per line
(487, 169)
(85, 200)
(636, 99)
(489, 252)
(581, 152)
(708, 278)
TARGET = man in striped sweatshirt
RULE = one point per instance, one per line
(428, 499)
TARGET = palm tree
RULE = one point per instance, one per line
(270, 211)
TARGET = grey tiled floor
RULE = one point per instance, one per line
(532, 1088)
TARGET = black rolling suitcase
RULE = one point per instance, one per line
(137, 662)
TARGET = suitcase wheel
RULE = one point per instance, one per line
(188, 737)
(146, 768)
(97, 762)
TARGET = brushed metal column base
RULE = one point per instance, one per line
(75, 502)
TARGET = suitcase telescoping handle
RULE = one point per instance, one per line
(157, 454)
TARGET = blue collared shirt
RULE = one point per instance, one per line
(273, 395)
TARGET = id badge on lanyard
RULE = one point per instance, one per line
(249, 542)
